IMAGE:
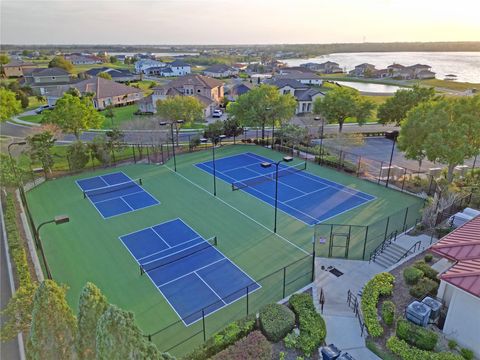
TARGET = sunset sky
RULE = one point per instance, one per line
(237, 21)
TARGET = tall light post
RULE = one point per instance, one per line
(12, 162)
(61, 219)
(394, 138)
(318, 118)
(214, 140)
(267, 165)
(163, 123)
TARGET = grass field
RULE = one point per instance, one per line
(88, 248)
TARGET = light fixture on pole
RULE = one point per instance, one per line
(267, 165)
(61, 219)
(214, 140)
(163, 123)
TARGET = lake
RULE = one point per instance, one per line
(370, 87)
(466, 65)
(159, 54)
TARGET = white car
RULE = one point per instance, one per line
(217, 113)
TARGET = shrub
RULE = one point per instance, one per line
(224, 338)
(452, 344)
(77, 155)
(467, 354)
(407, 352)
(312, 326)
(412, 275)
(380, 284)
(416, 335)
(254, 346)
(291, 340)
(276, 321)
(428, 258)
(424, 287)
(427, 270)
(388, 312)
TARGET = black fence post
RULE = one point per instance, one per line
(247, 300)
(405, 220)
(386, 228)
(313, 260)
(148, 155)
(134, 157)
(404, 177)
(365, 243)
(284, 281)
(380, 173)
(203, 326)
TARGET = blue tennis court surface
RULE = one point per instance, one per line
(115, 194)
(305, 196)
(190, 272)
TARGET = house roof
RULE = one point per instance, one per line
(419, 66)
(113, 72)
(463, 246)
(178, 63)
(280, 83)
(102, 88)
(192, 79)
(55, 71)
(365, 65)
(299, 76)
(218, 68)
(17, 63)
(395, 66)
(297, 70)
(306, 95)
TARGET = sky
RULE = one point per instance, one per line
(237, 21)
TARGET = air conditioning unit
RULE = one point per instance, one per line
(330, 352)
(418, 313)
(471, 212)
(434, 305)
(459, 219)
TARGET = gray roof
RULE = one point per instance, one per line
(287, 82)
(113, 72)
(298, 76)
(218, 68)
(306, 95)
(55, 71)
(178, 63)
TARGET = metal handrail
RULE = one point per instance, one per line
(411, 250)
(383, 245)
(353, 303)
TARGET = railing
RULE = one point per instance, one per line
(353, 303)
(321, 299)
(413, 249)
(383, 245)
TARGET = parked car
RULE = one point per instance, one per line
(217, 113)
(44, 107)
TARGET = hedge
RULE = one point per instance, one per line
(276, 321)
(416, 335)
(380, 284)
(254, 347)
(312, 326)
(407, 352)
(388, 312)
(412, 275)
(427, 270)
(223, 339)
(424, 287)
(17, 251)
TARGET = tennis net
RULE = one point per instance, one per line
(111, 188)
(179, 255)
(282, 171)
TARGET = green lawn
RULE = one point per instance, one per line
(88, 248)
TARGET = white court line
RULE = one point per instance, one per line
(306, 194)
(173, 247)
(160, 236)
(219, 297)
(239, 211)
(113, 198)
(121, 198)
(173, 253)
(191, 272)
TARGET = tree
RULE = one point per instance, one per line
(100, 149)
(395, 108)
(214, 130)
(9, 105)
(61, 62)
(113, 59)
(186, 108)
(342, 103)
(18, 312)
(53, 330)
(23, 98)
(74, 115)
(109, 113)
(105, 75)
(232, 128)
(262, 106)
(77, 153)
(40, 146)
(118, 337)
(4, 59)
(444, 131)
(292, 134)
(92, 305)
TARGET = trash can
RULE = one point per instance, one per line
(346, 356)
(330, 352)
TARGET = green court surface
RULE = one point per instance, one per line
(88, 248)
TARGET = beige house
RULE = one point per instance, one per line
(209, 91)
(44, 80)
(106, 92)
(16, 68)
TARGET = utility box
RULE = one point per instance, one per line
(435, 305)
(418, 313)
(330, 352)
(460, 170)
(435, 172)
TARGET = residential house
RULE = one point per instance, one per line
(220, 71)
(240, 66)
(328, 67)
(418, 71)
(307, 78)
(208, 90)
(142, 65)
(363, 70)
(16, 68)
(382, 73)
(43, 80)
(460, 284)
(179, 68)
(106, 92)
(80, 59)
(295, 69)
(118, 75)
(238, 89)
(304, 94)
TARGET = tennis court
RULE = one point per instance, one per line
(115, 194)
(195, 278)
(307, 197)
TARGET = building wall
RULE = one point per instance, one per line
(51, 79)
(463, 318)
(13, 71)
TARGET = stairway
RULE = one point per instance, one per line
(390, 255)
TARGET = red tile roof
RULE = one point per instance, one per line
(462, 245)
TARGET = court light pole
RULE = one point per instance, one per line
(60, 219)
(394, 135)
(267, 165)
(214, 140)
(172, 123)
(318, 118)
(12, 162)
